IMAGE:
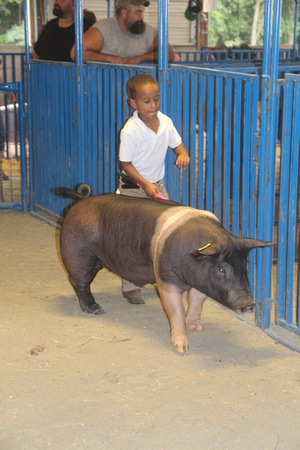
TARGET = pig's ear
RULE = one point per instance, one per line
(209, 249)
(248, 244)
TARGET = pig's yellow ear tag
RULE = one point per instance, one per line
(205, 246)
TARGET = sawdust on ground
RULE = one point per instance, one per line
(73, 380)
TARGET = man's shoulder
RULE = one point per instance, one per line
(50, 28)
(107, 23)
(53, 23)
(150, 30)
(149, 27)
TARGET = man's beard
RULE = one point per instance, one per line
(137, 27)
(57, 11)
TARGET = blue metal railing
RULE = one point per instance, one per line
(211, 55)
(18, 89)
(288, 298)
(13, 67)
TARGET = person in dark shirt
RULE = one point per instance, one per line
(58, 35)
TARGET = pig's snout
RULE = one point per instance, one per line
(245, 305)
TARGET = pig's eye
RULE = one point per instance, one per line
(222, 270)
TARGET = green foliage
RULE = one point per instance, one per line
(11, 16)
(15, 36)
(232, 23)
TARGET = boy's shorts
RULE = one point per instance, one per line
(139, 191)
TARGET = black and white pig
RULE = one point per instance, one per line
(156, 241)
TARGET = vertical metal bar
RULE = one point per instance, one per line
(100, 127)
(176, 194)
(170, 174)
(292, 210)
(210, 143)
(70, 152)
(29, 100)
(262, 315)
(95, 147)
(226, 176)
(112, 111)
(27, 30)
(269, 175)
(106, 130)
(74, 107)
(283, 200)
(163, 51)
(191, 141)
(201, 141)
(80, 70)
(246, 158)
(294, 52)
(218, 148)
(23, 158)
(236, 157)
(253, 178)
(267, 37)
(185, 133)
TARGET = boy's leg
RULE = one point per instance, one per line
(161, 186)
(130, 291)
(133, 293)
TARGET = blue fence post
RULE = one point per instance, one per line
(29, 102)
(267, 161)
(80, 72)
(23, 147)
(163, 52)
(295, 30)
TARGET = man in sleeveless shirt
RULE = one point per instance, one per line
(124, 39)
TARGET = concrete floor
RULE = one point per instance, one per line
(72, 380)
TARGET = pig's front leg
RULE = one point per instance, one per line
(195, 300)
(171, 299)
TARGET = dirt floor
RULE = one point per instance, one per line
(72, 380)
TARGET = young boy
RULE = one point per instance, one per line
(145, 139)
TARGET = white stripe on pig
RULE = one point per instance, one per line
(170, 220)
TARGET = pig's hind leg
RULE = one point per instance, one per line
(81, 276)
(195, 301)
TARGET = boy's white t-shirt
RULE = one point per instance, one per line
(145, 149)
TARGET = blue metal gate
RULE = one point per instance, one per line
(216, 111)
(13, 187)
(58, 156)
(288, 278)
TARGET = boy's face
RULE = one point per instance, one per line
(147, 101)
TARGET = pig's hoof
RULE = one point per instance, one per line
(94, 308)
(180, 344)
(182, 349)
(194, 326)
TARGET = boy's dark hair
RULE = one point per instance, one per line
(137, 81)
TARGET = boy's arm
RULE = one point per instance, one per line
(150, 188)
(183, 159)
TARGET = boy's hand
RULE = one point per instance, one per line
(151, 190)
(182, 161)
